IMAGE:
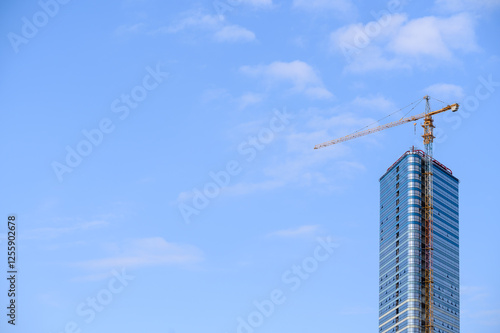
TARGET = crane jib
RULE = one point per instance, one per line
(453, 107)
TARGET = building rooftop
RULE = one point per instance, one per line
(422, 154)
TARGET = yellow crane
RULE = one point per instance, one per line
(428, 126)
(428, 137)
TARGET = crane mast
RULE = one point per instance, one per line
(428, 209)
(427, 202)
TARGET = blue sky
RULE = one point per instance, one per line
(158, 157)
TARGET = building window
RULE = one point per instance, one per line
(397, 244)
(397, 193)
(397, 210)
(397, 226)
(397, 251)
(397, 218)
(397, 202)
(397, 169)
(397, 234)
(397, 177)
(397, 185)
(397, 260)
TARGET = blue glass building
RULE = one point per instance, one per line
(402, 256)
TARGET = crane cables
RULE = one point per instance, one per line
(378, 121)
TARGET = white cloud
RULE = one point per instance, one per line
(299, 41)
(395, 42)
(299, 74)
(234, 33)
(373, 58)
(378, 102)
(446, 92)
(302, 231)
(215, 95)
(436, 37)
(129, 29)
(250, 98)
(301, 165)
(193, 19)
(216, 25)
(341, 6)
(341, 124)
(318, 93)
(145, 252)
(54, 232)
(330, 167)
(362, 45)
(295, 162)
(421, 36)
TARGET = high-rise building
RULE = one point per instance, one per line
(402, 300)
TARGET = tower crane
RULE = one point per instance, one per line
(427, 219)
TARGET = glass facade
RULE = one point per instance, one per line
(401, 293)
